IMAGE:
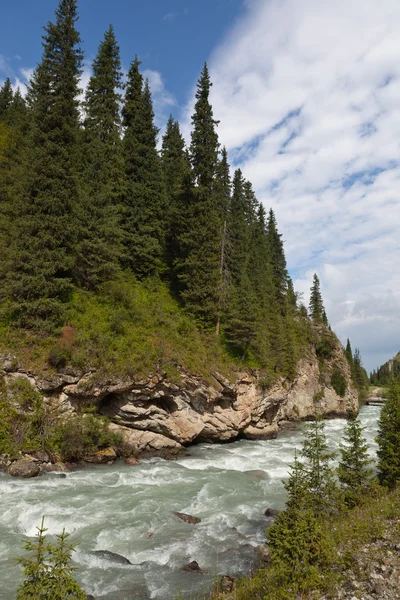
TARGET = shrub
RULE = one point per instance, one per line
(59, 356)
(338, 382)
(83, 434)
(324, 348)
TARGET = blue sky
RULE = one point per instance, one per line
(308, 98)
(173, 37)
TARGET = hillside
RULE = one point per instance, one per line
(136, 369)
(385, 373)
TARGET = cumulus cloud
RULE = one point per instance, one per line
(308, 94)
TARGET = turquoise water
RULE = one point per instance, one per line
(129, 510)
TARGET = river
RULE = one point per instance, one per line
(129, 510)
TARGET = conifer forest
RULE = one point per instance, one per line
(157, 365)
(88, 198)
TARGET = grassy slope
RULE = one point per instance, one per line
(126, 328)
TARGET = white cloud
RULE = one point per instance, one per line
(308, 94)
(171, 16)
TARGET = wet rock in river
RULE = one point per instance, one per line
(272, 512)
(187, 518)
(111, 556)
(193, 567)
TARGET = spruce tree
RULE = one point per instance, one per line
(388, 439)
(316, 309)
(99, 248)
(296, 539)
(319, 474)
(175, 167)
(6, 99)
(198, 265)
(279, 268)
(349, 354)
(241, 312)
(145, 196)
(354, 468)
(222, 188)
(41, 263)
(47, 569)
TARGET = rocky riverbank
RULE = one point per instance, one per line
(159, 416)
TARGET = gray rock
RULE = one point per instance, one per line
(24, 467)
(226, 584)
(193, 567)
(111, 556)
(272, 512)
(187, 518)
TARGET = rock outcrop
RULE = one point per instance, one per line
(160, 416)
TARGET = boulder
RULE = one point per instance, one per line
(187, 518)
(102, 456)
(264, 553)
(193, 567)
(272, 512)
(58, 467)
(226, 584)
(132, 461)
(24, 467)
(112, 557)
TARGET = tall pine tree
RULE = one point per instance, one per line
(145, 196)
(99, 247)
(316, 308)
(39, 273)
(176, 167)
(198, 264)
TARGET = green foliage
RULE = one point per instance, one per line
(324, 348)
(47, 569)
(130, 327)
(343, 536)
(296, 538)
(27, 425)
(319, 477)
(198, 262)
(83, 435)
(316, 309)
(338, 381)
(44, 224)
(145, 195)
(354, 470)
(59, 356)
(99, 247)
(389, 439)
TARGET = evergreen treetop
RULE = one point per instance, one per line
(204, 142)
(317, 311)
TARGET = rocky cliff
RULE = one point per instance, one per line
(156, 414)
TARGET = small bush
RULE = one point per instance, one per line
(324, 348)
(59, 357)
(338, 382)
(318, 396)
(82, 435)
